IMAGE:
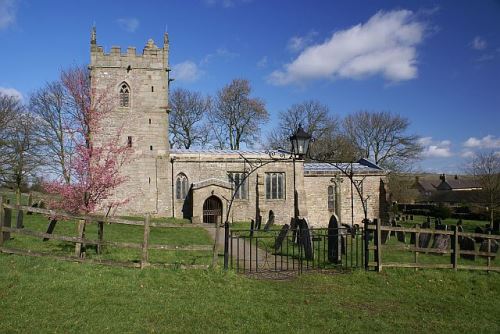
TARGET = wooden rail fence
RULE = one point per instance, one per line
(6, 229)
(454, 249)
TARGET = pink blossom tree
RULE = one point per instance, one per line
(95, 167)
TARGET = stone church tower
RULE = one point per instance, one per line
(138, 86)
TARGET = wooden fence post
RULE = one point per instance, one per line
(100, 236)
(145, 243)
(489, 250)
(455, 245)
(215, 253)
(78, 246)
(379, 245)
(1, 220)
(417, 244)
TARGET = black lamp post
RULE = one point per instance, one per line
(300, 146)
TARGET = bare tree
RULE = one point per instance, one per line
(235, 116)
(382, 137)
(54, 131)
(187, 126)
(22, 152)
(316, 120)
(485, 167)
(10, 106)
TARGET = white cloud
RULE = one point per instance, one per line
(479, 43)
(262, 63)
(129, 24)
(384, 45)
(8, 11)
(225, 3)
(186, 71)
(488, 141)
(12, 92)
(468, 154)
(299, 43)
(435, 149)
(222, 53)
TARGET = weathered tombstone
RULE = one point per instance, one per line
(335, 241)
(30, 203)
(441, 242)
(252, 227)
(400, 235)
(496, 226)
(305, 238)
(393, 223)
(258, 223)
(493, 247)
(481, 231)
(426, 224)
(385, 234)
(270, 221)
(50, 228)
(7, 216)
(281, 237)
(19, 221)
(467, 244)
(424, 238)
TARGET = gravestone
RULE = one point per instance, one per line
(496, 226)
(270, 221)
(460, 228)
(50, 228)
(493, 247)
(252, 227)
(425, 238)
(481, 231)
(411, 217)
(305, 238)
(400, 235)
(441, 242)
(335, 241)
(281, 237)
(385, 234)
(19, 222)
(258, 222)
(467, 244)
(393, 223)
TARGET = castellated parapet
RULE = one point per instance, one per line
(137, 86)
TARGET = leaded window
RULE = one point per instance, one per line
(275, 185)
(240, 184)
(181, 186)
(124, 95)
(332, 190)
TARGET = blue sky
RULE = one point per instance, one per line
(436, 63)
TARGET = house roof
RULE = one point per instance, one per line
(461, 183)
(428, 185)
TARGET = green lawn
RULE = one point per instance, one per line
(44, 295)
(117, 233)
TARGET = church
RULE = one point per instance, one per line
(202, 184)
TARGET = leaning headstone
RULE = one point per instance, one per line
(305, 238)
(467, 244)
(50, 228)
(424, 238)
(385, 234)
(281, 237)
(270, 221)
(335, 241)
(493, 247)
(400, 235)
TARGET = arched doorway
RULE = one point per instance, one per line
(212, 210)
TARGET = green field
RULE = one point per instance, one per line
(43, 295)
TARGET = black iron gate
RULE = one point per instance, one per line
(212, 210)
(296, 249)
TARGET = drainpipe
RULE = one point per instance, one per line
(173, 192)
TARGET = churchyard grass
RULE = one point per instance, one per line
(45, 295)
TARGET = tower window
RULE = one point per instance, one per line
(152, 89)
(124, 95)
(129, 141)
(151, 147)
(150, 121)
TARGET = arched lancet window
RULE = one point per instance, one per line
(332, 191)
(181, 186)
(124, 95)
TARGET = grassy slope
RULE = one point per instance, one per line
(50, 296)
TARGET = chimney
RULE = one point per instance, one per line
(456, 177)
(442, 177)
